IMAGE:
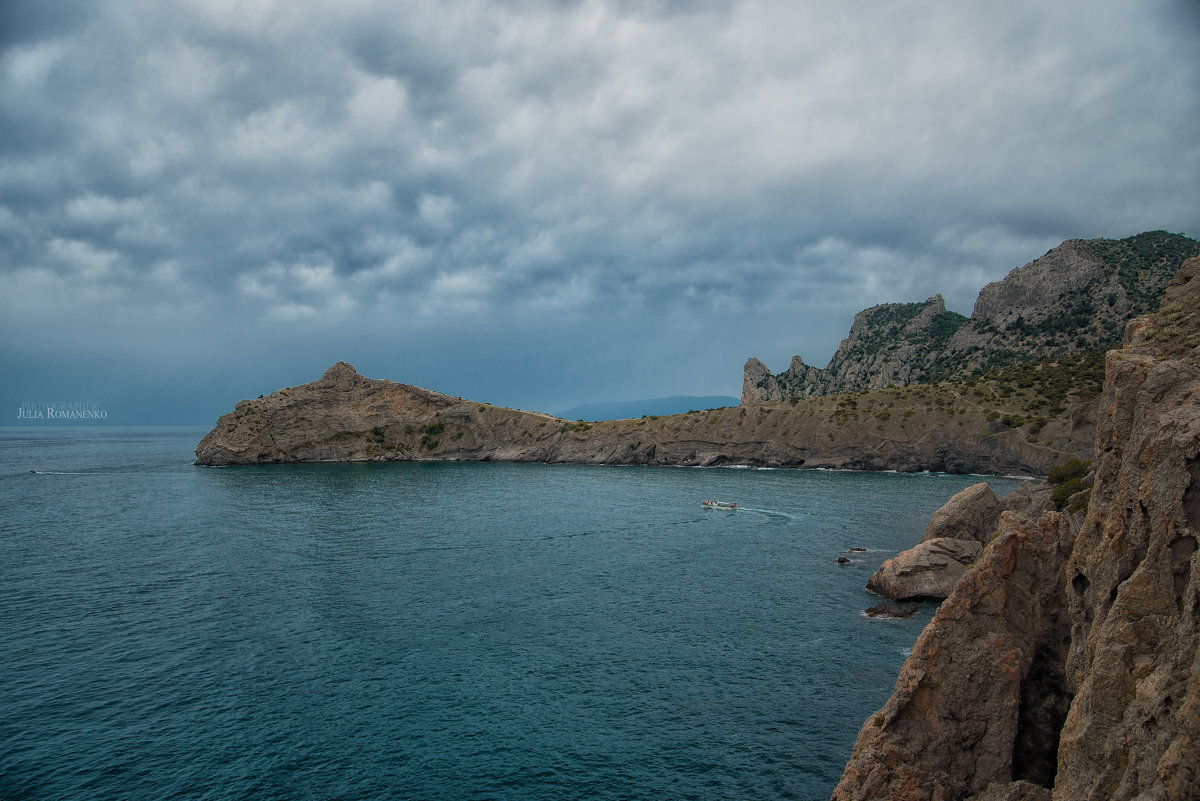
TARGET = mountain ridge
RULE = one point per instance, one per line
(1077, 298)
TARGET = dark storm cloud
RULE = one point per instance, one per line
(418, 186)
(31, 20)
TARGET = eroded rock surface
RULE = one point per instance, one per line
(1069, 665)
(971, 514)
(1134, 727)
(975, 702)
(1030, 499)
(927, 572)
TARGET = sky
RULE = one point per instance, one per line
(545, 204)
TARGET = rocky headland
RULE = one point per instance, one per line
(990, 427)
(1075, 299)
(1065, 663)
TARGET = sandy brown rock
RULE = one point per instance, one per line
(1134, 727)
(1030, 499)
(926, 572)
(1013, 791)
(971, 514)
(978, 701)
(1072, 662)
(930, 570)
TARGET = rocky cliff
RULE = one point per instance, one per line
(1075, 299)
(988, 427)
(1066, 664)
(889, 345)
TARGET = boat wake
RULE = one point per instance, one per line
(769, 513)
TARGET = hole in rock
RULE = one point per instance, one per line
(1043, 708)
(1182, 549)
(1191, 496)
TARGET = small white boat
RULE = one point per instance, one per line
(727, 505)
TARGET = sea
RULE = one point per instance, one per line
(432, 630)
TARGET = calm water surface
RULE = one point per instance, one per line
(435, 631)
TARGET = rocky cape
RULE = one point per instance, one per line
(1077, 298)
(1065, 664)
(344, 416)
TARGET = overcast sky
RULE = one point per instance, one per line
(542, 204)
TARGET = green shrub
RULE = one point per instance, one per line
(1072, 468)
(1068, 480)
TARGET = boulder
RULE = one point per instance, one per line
(927, 572)
(970, 515)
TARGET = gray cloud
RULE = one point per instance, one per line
(543, 203)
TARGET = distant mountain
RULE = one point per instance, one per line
(624, 410)
(1074, 300)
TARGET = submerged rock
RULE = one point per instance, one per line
(891, 610)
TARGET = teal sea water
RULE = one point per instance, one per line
(435, 631)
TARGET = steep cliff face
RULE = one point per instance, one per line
(1134, 577)
(1067, 665)
(346, 417)
(889, 345)
(979, 699)
(1075, 299)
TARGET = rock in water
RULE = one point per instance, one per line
(891, 610)
(927, 572)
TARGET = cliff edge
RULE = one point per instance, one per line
(1066, 665)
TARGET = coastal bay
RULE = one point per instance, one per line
(429, 630)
